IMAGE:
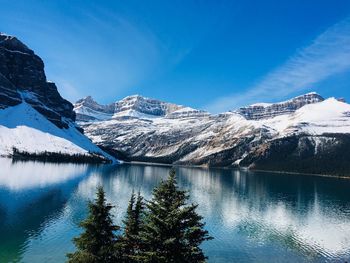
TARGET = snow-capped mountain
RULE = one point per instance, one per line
(34, 118)
(88, 110)
(268, 110)
(306, 128)
(144, 105)
(134, 106)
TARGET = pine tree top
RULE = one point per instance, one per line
(98, 238)
(173, 228)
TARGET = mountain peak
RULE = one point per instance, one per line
(88, 109)
(34, 118)
(131, 106)
(12, 43)
(22, 72)
(86, 100)
(145, 105)
(136, 96)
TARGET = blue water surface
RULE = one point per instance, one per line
(253, 217)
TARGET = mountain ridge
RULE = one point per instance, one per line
(267, 110)
(253, 111)
(87, 109)
(231, 138)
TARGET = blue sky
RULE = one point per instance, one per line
(213, 55)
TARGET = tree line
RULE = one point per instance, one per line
(58, 157)
(164, 229)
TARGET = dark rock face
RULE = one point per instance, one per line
(22, 78)
(264, 111)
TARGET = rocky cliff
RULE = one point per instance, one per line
(22, 78)
(268, 110)
(35, 121)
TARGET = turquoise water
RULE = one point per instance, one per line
(253, 217)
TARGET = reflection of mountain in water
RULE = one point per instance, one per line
(32, 194)
(304, 214)
(18, 176)
(253, 216)
(300, 213)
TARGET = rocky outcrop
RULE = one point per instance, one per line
(22, 78)
(265, 110)
(187, 112)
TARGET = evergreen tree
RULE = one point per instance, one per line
(97, 242)
(173, 230)
(131, 241)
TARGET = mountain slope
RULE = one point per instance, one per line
(34, 118)
(232, 138)
(24, 128)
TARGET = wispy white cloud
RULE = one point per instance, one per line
(327, 55)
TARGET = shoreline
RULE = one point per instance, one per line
(298, 173)
(186, 166)
(238, 168)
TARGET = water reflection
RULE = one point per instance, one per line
(25, 175)
(32, 194)
(254, 217)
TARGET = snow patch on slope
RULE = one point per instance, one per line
(97, 115)
(261, 111)
(328, 116)
(134, 114)
(27, 130)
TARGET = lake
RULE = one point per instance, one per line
(253, 217)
